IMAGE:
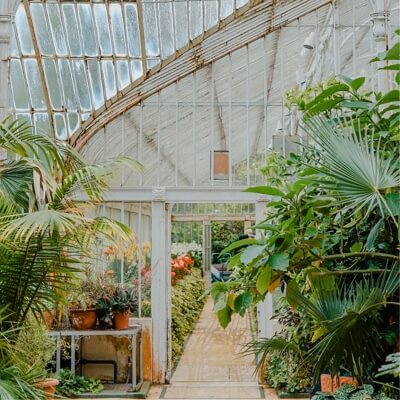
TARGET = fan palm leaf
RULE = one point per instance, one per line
(358, 172)
(346, 319)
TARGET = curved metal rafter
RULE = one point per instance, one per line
(252, 21)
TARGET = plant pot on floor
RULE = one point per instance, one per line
(121, 320)
(48, 386)
(330, 384)
(82, 320)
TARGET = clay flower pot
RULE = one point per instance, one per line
(48, 386)
(49, 317)
(83, 320)
(330, 385)
(121, 319)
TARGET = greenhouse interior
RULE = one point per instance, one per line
(200, 199)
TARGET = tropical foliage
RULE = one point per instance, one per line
(331, 234)
(46, 237)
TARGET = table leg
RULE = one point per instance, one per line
(133, 361)
(58, 354)
(73, 355)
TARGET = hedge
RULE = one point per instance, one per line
(186, 308)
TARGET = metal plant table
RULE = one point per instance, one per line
(131, 333)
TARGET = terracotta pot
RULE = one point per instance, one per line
(49, 387)
(82, 320)
(121, 319)
(330, 385)
(49, 317)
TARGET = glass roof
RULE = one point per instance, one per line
(69, 57)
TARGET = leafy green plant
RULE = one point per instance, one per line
(346, 320)
(72, 385)
(187, 303)
(349, 392)
(284, 372)
(123, 299)
(392, 366)
(44, 231)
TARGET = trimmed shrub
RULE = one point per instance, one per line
(186, 308)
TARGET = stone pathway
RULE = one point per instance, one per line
(211, 366)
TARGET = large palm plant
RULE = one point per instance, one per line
(346, 319)
(44, 230)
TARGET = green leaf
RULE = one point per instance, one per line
(357, 82)
(250, 253)
(234, 261)
(243, 302)
(394, 67)
(238, 244)
(356, 247)
(220, 301)
(392, 96)
(267, 227)
(363, 105)
(267, 190)
(393, 53)
(340, 87)
(293, 295)
(224, 316)
(373, 234)
(279, 261)
(392, 203)
(324, 106)
(395, 137)
(264, 280)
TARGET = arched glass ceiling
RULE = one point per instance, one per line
(68, 57)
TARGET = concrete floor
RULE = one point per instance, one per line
(212, 366)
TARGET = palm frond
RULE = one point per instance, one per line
(358, 172)
(346, 320)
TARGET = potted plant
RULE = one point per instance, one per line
(82, 311)
(123, 303)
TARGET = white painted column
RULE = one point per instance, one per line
(265, 309)
(380, 20)
(7, 12)
(160, 285)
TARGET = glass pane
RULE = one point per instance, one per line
(123, 74)
(95, 83)
(152, 62)
(59, 123)
(82, 85)
(226, 8)
(103, 29)
(86, 20)
(14, 51)
(150, 29)
(117, 25)
(85, 116)
(137, 69)
(68, 85)
(166, 30)
(71, 26)
(196, 19)
(34, 84)
(132, 29)
(109, 78)
(18, 85)
(24, 34)
(53, 84)
(57, 30)
(181, 24)
(41, 123)
(73, 122)
(42, 30)
(24, 117)
(240, 3)
(211, 14)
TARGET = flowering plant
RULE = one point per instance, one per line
(193, 250)
(180, 267)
